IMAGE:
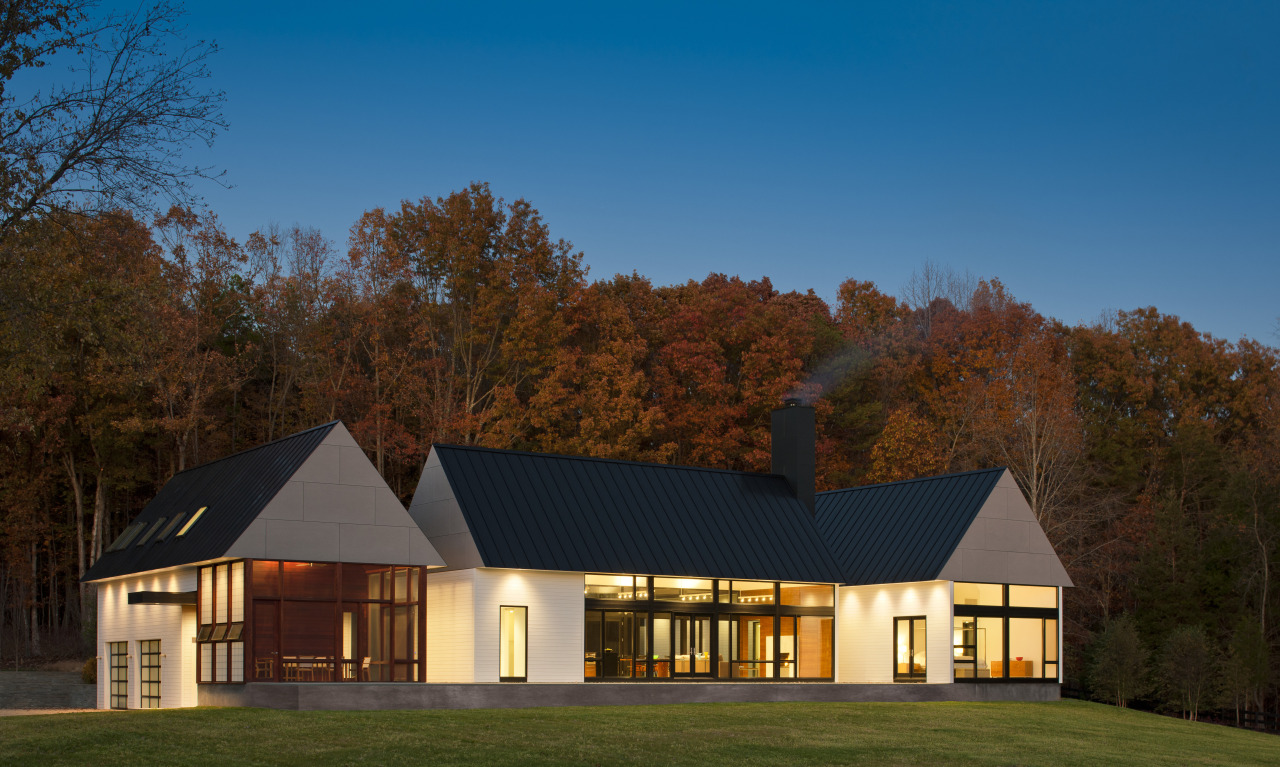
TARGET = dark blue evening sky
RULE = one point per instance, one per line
(1092, 156)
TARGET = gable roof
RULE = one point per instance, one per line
(902, 531)
(552, 512)
(232, 490)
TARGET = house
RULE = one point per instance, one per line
(289, 575)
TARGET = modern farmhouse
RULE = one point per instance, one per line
(290, 575)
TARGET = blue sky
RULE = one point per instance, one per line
(1092, 156)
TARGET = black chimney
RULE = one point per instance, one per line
(794, 445)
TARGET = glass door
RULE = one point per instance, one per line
(691, 641)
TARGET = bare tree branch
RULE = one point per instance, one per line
(114, 135)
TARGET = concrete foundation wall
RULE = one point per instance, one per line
(173, 625)
(864, 629)
(374, 697)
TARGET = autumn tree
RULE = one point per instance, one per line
(908, 448)
(73, 366)
(490, 286)
(290, 299)
(597, 400)
(202, 331)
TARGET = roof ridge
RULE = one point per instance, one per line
(916, 479)
(595, 459)
(258, 447)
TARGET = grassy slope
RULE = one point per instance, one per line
(1069, 732)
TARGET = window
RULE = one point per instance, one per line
(682, 589)
(641, 627)
(118, 656)
(610, 587)
(149, 673)
(1033, 648)
(610, 646)
(1033, 596)
(979, 647)
(328, 622)
(512, 643)
(221, 601)
(979, 594)
(1005, 632)
(909, 640)
(807, 595)
(751, 647)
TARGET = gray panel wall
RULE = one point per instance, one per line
(435, 510)
(1005, 544)
(336, 508)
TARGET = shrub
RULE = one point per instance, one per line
(1188, 669)
(1119, 669)
(89, 671)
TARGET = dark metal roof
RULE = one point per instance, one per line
(551, 512)
(234, 490)
(902, 531)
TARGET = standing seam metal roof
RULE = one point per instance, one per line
(552, 512)
(234, 490)
(902, 531)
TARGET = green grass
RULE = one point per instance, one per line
(1066, 733)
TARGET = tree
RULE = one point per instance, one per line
(1188, 667)
(908, 448)
(1119, 668)
(491, 288)
(1245, 667)
(112, 135)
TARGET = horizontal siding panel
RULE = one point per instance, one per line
(864, 631)
(450, 626)
(173, 625)
(555, 619)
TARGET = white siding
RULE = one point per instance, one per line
(450, 626)
(556, 620)
(864, 630)
(173, 625)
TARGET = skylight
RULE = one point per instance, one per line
(169, 529)
(127, 536)
(191, 521)
(151, 532)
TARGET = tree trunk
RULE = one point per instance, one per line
(34, 628)
(4, 606)
(77, 492)
(99, 518)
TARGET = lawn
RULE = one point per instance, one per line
(1067, 733)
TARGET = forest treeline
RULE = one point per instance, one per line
(132, 350)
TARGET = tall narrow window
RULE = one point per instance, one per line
(513, 644)
(909, 649)
(118, 652)
(149, 673)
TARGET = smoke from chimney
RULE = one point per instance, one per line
(828, 374)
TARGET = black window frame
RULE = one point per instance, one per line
(911, 676)
(646, 609)
(514, 679)
(149, 673)
(1004, 613)
(118, 684)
